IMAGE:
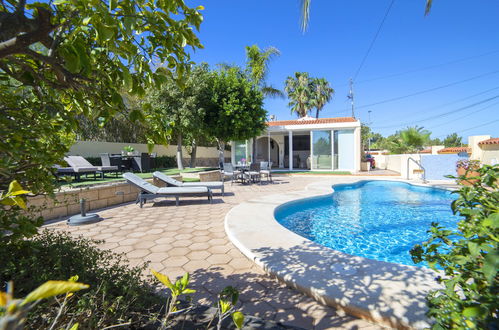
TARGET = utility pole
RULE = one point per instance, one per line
(351, 97)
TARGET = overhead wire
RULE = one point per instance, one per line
(470, 128)
(373, 41)
(441, 114)
(434, 66)
(432, 109)
(427, 90)
(464, 116)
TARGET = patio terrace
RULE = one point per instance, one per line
(191, 238)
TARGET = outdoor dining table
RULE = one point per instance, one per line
(243, 168)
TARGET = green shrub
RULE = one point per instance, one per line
(164, 162)
(469, 258)
(118, 293)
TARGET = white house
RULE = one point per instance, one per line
(322, 144)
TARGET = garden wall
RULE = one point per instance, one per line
(436, 166)
(206, 156)
(67, 203)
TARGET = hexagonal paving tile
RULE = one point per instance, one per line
(175, 261)
(198, 255)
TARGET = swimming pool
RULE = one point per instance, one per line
(379, 220)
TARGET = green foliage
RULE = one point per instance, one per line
(117, 292)
(61, 61)
(322, 93)
(235, 111)
(453, 140)
(409, 140)
(177, 289)
(15, 223)
(306, 93)
(257, 67)
(181, 109)
(468, 257)
(226, 306)
(13, 311)
(299, 93)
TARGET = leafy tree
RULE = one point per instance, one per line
(183, 107)
(435, 142)
(299, 92)
(257, 67)
(453, 140)
(66, 59)
(468, 256)
(235, 111)
(322, 93)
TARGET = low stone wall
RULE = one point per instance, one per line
(67, 203)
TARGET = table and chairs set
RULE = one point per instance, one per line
(248, 173)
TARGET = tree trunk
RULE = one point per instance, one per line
(179, 152)
(221, 149)
(317, 113)
(193, 154)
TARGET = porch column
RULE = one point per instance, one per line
(268, 146)
(290, 150)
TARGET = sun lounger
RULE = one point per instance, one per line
(171, 182)
(78, 162)
(150, 191)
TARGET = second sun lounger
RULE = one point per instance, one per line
(150, 191)
(175, 183)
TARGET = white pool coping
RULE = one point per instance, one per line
(386, 293)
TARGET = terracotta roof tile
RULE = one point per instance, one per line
(312, 121)
(454, 150)
(490, 141)
(425, 151)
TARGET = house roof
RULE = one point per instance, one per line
(312, 121)
(425, 151)
(454, 150)
(490, 141)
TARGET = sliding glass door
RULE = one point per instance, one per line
(321, 150)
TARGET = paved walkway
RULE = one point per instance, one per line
(191, 238)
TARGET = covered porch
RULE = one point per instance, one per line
(314, 144)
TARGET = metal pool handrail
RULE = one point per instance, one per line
(420, 166)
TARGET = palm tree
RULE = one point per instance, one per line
(322, 93)
(257, 66)
(414, 138)
(305, 12)
(299, 93)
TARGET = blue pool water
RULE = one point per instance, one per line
(379, 220)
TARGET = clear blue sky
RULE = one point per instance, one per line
(337, 39)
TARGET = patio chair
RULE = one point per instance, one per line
(150, 191)
(266, 170)
(142, 163)
(253, 174)
(78, 162)
(78, 167)
(229, 171)
(110, 160)
(171, 182)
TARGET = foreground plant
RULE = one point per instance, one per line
(176, 290)
(226, 306)
(468, 256)
(13, 311)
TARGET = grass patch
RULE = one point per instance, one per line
(111, 178)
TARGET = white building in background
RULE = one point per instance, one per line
(323, 144)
